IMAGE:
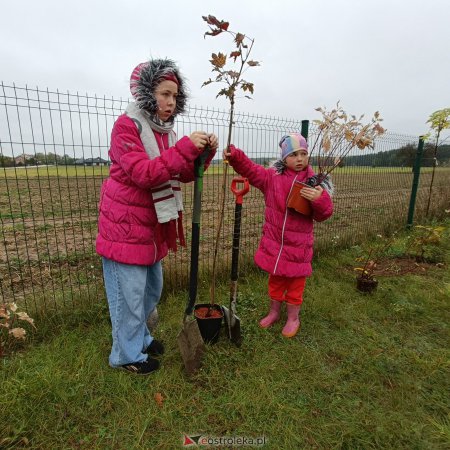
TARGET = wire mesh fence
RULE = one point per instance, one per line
(54, 157)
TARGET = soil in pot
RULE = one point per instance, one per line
(366, 284)
(209, 319)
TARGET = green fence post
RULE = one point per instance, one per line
(305, 128)
(415, 184)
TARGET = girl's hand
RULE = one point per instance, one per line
(199, 139)
(311, 193)
(226, 153)
(213, 142)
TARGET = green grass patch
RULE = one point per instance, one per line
(365, 372)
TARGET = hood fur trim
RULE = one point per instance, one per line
(316, 180)
(150, 75)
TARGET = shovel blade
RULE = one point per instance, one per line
(191, 345)
(233, 325)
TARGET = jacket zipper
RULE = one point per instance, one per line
(284, 225)
(156, 252)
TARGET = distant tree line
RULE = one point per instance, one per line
(36, 159)
(401, 157)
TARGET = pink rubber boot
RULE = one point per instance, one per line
(273, 316)
(293, 321)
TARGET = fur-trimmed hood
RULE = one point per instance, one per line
(146, 77)
(280, 167)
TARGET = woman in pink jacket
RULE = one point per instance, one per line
(286, 247)
(141, 207)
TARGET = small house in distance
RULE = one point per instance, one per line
(22, 159)
(92, 162)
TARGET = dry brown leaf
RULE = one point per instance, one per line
(218, 60)
(24, 316)
(239, 38)
(18, 333)
(235, 54)
(4, 313)
(159, 399)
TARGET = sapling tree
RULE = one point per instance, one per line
(338, 133)
(374, 253)
(423, 242)
(439, 121)
(228, 68)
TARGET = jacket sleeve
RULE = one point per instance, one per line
(257, 175)
(128, 151)
(322, 207)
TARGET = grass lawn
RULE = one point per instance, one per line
(366, 371)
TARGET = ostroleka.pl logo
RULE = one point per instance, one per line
(200, 440)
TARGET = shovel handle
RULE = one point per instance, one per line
(195, 241)
(239, 193)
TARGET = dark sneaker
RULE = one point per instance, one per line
(156, 348)
(142, 368)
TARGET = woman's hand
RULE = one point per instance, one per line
(311, 193)
(199, 139)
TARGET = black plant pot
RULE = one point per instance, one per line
(366, 284)
(209, 319)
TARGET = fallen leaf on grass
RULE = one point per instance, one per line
(159, 399)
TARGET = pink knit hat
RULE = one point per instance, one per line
(135, 77)
(171, 77)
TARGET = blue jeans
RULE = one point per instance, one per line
(132, 293)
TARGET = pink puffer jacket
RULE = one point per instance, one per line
(286, 246)
(128, 226)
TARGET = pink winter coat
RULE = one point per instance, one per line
(127, 225)
(286, 246)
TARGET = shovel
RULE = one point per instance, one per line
(232, 320)
(190, 341)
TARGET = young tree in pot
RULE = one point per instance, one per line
(365, 280)
(228, 68)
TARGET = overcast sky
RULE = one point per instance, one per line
(386, 55)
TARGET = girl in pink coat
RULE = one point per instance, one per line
(141, 208)
(286, 247)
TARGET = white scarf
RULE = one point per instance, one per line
(167, 197)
